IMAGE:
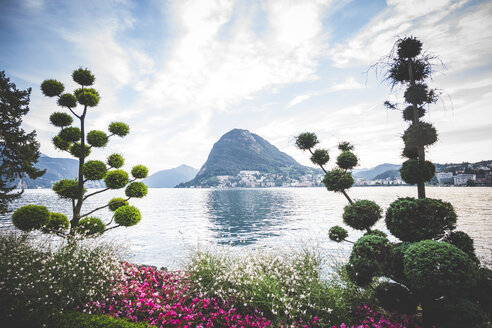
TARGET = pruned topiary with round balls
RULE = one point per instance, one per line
(412, 171)
(410, 152)
(362, 214)
(116, 179)
(463, 242)
(52, 88)
(83, 77)
(116, 203)
(345, 146)
(94, 170)
(70, 134)
(60, 143)
(338, 180)
(376, 232)
(136, 190)
(97, 138)
(306, 140)
(57, 222)
(127, 216)
(67, 188)
(91, 226)
(337, 234)
(76, 150)
(87, 96)
(30, 217)
(67, 100)
(115, 161)
(409, 47)
(420, 134)
(399, 71)
(60, 119)
(408, 113)
(412, 220)
(347, 160)
(320, 157)
(396, 298)
(119, 129)
(139, 172)
(417, 94)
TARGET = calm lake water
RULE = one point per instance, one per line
(176, 220)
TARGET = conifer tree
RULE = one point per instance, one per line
(79, 143)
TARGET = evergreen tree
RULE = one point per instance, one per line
(78, 142)
(18, 150)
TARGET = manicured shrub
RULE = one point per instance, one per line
(119, 129)
(136, 189)
(362, 214)
(338, 180)
(60, 143)
(396, 298)
(116, 203)
(97, 138)
(345, 146)
(67, 100)
(116, 179)
(413, 172)
(87, 96)
(306, 140)
(91, 226)
(463, 242)
(51, 88)
(94, 170)
(30, 217)
(67, 189)
(420, 134)
(139, 172)
(457, 313)
(320, 157)
(337, 234)
(408, 113)
(60, 119)
(127, 216)
(57, 222)
(115, 161)
(83, 77)
(70, 134)
(347, 160)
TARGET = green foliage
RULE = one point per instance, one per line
(70, 134)
(119, 129)
(362, 214)
(408, 113)
(136, 189)
(347, 160)
(399, 70)
(84, 320)
(395, 297)
(139, 172)
(418, 94)
(87, 96)
(306, 140)
(337, 234)
(115, 161)
(60, 119)
(52, 88)
(420, 134)
(127, 216)
(483, 291)
(57, 222)
(411, 219)
(76, 150)
(91, 226)
(345, 146)
(338, 180)
(457, 312)
(409, 47)
(67, 188)
(320, 157)
(412, 171)
(97, 138)
(30, 217)
(463, 242)
(116, 203)
(60, 143)
(376, 232)
(67, 100)
(116, 179)
(83, 77)
(94, 170)
(410, 152)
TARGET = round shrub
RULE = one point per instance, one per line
(60, 119)
(116, 179)
(408, 113)
(435, 269)
(376, 232)
(399, 70)
(94, 170)
(347, 160)
(29, 217)
(338, 180)
(410, 152)
(76, 150)
(91, 226)
(116, 203)
(83, 77)
(457, 313)
(139, 172)
(417, 94)
(362, 214)
(127, 216)
(57, 222)
(60, 143)
(87, 97)
(463, 242)
(320, 157)
(115, 160)
(394, 297)
(306, 140)
(119, 129)
(136, 189)
(337, 234)
(411, 219)
(483, 290)
(97, 138)
(67, 100)
(345, 146)
(67, 188)
(409, 47)
(70, 134)
(412, 171)
(51, 88)
(420, 134)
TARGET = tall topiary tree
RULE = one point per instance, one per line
(79, 143)
(432, 265)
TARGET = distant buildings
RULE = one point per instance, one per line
(462, 179)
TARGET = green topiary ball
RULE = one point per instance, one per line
(76, 150)
(398, 71)
(70, 134)
(463, 242)
(435, 269)
(376, 232)
(116, 179)
(408, 113)
(306, 140)
(119, 129)
(139, 172)
(60, 143)
(410, 152)
(457, 312)
(91, 226)
(57, 222)
(87, 96)
(67, 100)
(67, 188)
(127, 216)
(345, 146)
(338, 180)
(420, 134)
(136, 189)
(116, 203)
(30, 217)
(94, 170)
(320, 157)
(52, 88)
(417, 94)
(412, 171)
(347, 160)
(411, 219)
(409, 47)
(362, 214)
(83, 77)
(396, 298)
(115, 160)
(60, 119)
(97, 138)
(337, 234)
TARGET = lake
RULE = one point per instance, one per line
(177, 220)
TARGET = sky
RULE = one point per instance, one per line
(182, 73)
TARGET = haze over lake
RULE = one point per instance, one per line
(176, 219)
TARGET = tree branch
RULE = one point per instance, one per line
(100, 208)
(96, 192)
(112, 228)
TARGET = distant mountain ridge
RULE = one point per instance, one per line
(171, 178)
(372, 173)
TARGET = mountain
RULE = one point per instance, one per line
(390, 174)
(241, 150)
(372, 173)
(170, 178)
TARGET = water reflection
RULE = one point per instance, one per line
(244, 216)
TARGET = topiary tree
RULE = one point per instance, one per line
(79, 143)
(432, 266)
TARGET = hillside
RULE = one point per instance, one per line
(372, 173)
(170, 178)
